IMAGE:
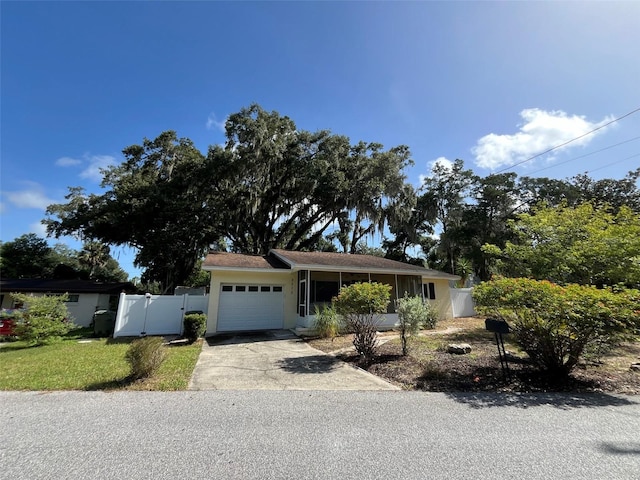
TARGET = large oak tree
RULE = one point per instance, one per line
(271, 185)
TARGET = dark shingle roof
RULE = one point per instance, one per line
(43, 285)
(222, 260)
(350, 262)
(285, 259)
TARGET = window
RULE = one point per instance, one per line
(227, 288)
(323, 291)
(277, 289)
(429, 290)
(241, 288)
(73, 299)
(253, 288)
(265, 288)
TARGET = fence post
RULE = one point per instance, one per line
(119, 314)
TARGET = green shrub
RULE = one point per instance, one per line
(145, 356)
(195, 324)
(558, 325)
(43, 319)
(430, 316)
(413, 312)
(327, 322)
(360, 306)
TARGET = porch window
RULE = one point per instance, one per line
(387, 279)
(323, 287)
(429, 290)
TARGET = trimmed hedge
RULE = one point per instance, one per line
(195, 324)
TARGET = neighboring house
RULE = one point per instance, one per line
(85, 296)
(282, 289)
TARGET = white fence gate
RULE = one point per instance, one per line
(462, 303)
(155, 314)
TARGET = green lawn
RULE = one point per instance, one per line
(94, 364)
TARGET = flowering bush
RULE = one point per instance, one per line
(360, 306)
(558, 325)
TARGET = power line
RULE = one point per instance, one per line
(569, 141)
(587, 155)
(613, 163)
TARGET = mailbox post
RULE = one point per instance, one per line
(500, 327)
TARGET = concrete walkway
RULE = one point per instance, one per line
(275, 360)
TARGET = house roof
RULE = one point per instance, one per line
(345, 262)
(42, 285)
(239, 261)
(328, 261)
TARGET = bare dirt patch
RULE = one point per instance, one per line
(429, 367)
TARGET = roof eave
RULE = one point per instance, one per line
(210, 268)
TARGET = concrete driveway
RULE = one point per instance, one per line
(275, 360)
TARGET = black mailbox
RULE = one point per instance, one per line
(496, 326)
(500, 327)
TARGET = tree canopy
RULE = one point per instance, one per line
(471, 211)
(271, 185)
(29, 256)
(274, 185)
(585, 244)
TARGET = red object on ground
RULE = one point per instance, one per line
(6, 327)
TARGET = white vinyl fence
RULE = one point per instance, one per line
(462, 303)
(155, 314)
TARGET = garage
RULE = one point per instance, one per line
(250, 307)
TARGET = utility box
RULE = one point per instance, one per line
(104, 322)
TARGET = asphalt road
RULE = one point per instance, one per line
(324, 435)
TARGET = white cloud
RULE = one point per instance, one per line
(31, 197)
(96, 163)
(443, 161)
(90, 165)
(38, 228)
(3, 207)
(214, 124)
(540, 131)
(68, 162)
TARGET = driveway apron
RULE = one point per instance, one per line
(275, 360)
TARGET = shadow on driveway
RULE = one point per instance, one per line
(309, 364)
(237, 338)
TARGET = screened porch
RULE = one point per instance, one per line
(317, 288)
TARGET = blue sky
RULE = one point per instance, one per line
(490, 83)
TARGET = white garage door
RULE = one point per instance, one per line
(250, 307)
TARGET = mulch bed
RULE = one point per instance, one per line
(428, 367)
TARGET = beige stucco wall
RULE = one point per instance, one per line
(442, 303)
(285, 278)
(289, 281)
